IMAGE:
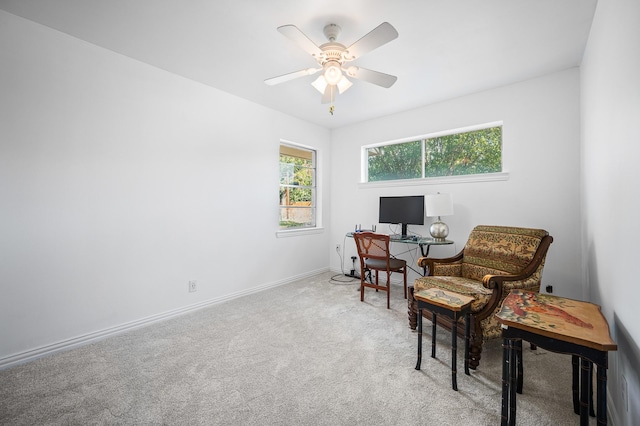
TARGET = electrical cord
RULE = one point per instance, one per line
(340, 278)
(344, 278)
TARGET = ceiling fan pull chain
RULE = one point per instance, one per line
(331, 108)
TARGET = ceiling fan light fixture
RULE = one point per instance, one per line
(320, 84)
(332, 57)
(332, 73)
(344, 84)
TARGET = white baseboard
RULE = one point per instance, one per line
(64, 345)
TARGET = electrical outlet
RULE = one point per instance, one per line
(338, 248)
(193, 286)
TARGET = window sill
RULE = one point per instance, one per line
(297, 232)
(487, 177)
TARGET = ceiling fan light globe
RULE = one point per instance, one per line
(333, 74)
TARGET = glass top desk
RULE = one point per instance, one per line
(424, 243)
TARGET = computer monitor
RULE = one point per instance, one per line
(403, 210)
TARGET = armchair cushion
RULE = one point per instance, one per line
(460, 285)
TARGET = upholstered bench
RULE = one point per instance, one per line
(494, 260)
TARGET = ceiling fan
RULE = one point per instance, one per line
(332, 57)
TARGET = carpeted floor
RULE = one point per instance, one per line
(305, 353)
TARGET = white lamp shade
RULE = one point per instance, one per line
(438, 205)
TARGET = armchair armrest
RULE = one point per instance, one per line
(431, 263)
(497, 281)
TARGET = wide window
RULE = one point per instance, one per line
(471, 152)
(297, 187)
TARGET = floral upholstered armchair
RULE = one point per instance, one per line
(495, 260)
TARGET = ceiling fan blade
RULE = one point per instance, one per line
(298, 37)
(380, 35)
(375, 77)
(291, 76)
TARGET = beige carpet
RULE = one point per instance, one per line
(305, 353)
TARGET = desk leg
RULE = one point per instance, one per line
(424, 254)
(454, 352)
(419, 339)
(602, 395)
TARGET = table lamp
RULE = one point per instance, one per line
(438, 205)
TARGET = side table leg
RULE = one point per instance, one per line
(585, 386)
(505, 382)
(512, 383)
(602, 395)
(519, 364)
(467, 337)
(419, 338)
(575, 381)
(454, 352)
(434, 319)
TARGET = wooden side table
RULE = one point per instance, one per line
(454, 306)
(559, 325)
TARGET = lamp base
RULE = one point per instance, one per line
(439, 230)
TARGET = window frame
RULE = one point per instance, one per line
(315, 190)
(434, 180)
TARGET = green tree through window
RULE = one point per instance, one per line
(473, 152)
(399, 161)
(297, 187)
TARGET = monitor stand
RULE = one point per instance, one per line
(405, 234)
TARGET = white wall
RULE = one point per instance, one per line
(610, 173)
(120, 182)
(540, 151)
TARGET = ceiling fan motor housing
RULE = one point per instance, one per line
(331, 31)
(331, 52)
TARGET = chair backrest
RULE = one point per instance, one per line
(499, 250)
(371, 245)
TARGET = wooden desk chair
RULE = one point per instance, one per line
(373, 250)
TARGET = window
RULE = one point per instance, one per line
(471, 152)
(297, 187)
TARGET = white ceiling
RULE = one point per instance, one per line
(446, 48)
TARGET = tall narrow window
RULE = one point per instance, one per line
(297, 187)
